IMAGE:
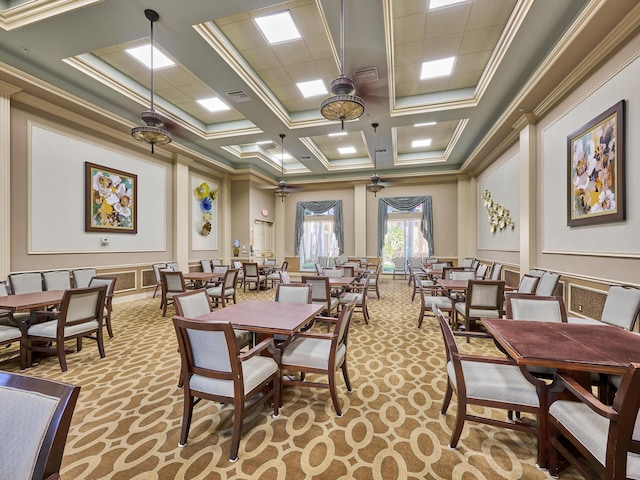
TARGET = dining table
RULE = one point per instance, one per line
(30, 302)
(266, 317)
(200, 279)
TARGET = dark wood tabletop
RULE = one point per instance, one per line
(566, 346)
(203, 276)
(31, 301)
(266, 317)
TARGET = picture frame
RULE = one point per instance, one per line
(596, 170)
(111, 200)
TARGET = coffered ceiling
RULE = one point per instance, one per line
(74, 53)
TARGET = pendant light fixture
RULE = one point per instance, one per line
(282, 190)
(343, 106)
(374, 185)
(153, 132)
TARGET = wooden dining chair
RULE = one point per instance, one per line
(528, 285)
(484, 298)
(321, 354)
(321, 294)
(25, 282)
(172, 284)
(358, 293)
(157, 267)
(225, 291)
(252, 275)
(56, 280)
(490, 382)
(110, 282)
(430, 297)
(80, 316)
(82, 276)
(205, 264)
(535, 307)
(35, 416)
(213, 368)
(601, 441)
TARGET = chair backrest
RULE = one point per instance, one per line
(270, 261)
(284, 276)
(621, 306)
(35, 416)
(496, 272)
(485, 295)
(333, 272)
(110, 282)
(323, 262)
(284, 266)
(250, 270)
(192, 304)
(481, 271)
(348, 271)
(547, 284)
(221, 269)
(294, 293)
(81, 305)
(399, 263)
(341, 330)
(319, 269)
(82, 276)
(172, 281)
(534, 307)
(210, 348)
(25, 282)
(536, 272)
(216, 261)
(230, 279)
(439, 265)
(321, 289)
(4, 289)
(156, 271)
(467, 262)
(450, 346)
(206, 265)
(175, 266)
(463, 275)
(416, 262)
(528, 284)
(56, 280)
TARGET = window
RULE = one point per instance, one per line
(318, 239)
(403, 238)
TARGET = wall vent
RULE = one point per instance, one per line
(366, 75)
(239, 96)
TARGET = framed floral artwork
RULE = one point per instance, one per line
(110, 200)
(596, 175)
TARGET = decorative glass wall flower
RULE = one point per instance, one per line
(498, 215)
(206, 197)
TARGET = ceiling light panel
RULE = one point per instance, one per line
(437, 68)
(214, 104)
(278, 27)
(433, 4)
(142, 54)
(348, 150)
(312, 88)
(423, 142)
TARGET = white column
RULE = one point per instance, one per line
(224, 207)
(467, 217)
(360, 216)
(182, 197)
(527, 160)
(6, 90)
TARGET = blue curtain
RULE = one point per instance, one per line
(318, 208)
(406, 204)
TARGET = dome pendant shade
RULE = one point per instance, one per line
(152, 133)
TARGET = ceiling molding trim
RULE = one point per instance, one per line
(141, 96)
(617, 35)
(35, 11)
(216, 39)
(237, 152)
(364, 163)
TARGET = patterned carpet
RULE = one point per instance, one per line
(127, 421)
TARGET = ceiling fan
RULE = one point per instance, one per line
(283, 190)
(374, 184)
(344, 105)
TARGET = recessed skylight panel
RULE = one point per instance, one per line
(346, 150)
(278, 27)
(213, 104)
(142, 54)
(437, 68)
(433, 4)
(425, 142)
(312, 88)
